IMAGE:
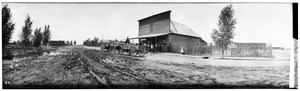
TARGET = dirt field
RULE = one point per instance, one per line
(87, 67)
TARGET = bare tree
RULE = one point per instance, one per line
(223, 37)
(7, 25)
(46, 35)
(26, 33)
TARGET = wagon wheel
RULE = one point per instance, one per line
(118, 51)
(142, 51)
(128, 52)
(133, 51)
(121, 51)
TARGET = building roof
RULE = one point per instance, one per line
(182, 29)
(155, 15)
(105, 40)
(148, 36)
(56, 43)
(250, 44)
(176, 28)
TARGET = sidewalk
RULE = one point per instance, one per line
(228, 61)
(226, 58)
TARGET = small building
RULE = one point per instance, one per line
(164, 35)
(252, 49)
(255, 46)
(56, 43)
(278, 48)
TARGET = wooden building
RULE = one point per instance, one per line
(56, 43)
(254, 46)
(164, 35)
(251, 49)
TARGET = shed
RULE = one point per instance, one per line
(56, 43)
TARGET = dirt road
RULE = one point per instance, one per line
(86, 67)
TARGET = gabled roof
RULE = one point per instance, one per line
(148, 36)
(182, 29)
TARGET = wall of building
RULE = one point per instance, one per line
(56, 43)
(156, 24)
(252, 50)
(158, 27)
(191, 45)
(253, 46)
(245, 50)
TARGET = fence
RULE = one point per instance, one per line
(202, 50)
(261, 51)
(245, 51)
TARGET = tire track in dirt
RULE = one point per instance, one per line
(106, 81)
(100, 79)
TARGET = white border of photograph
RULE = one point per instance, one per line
(291, 81)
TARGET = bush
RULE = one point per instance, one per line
(7, 55)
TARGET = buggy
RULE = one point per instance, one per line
(131, 49)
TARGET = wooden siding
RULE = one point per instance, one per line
(156, 24)
(191, 45)
(155, 18)
(158, 27)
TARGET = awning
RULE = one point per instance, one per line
(148, 36)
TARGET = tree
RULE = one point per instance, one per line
(74, 42)
(26, 33)
(15, 43)
(223, 37)
(7, 25)
(68, 43)
(116, 41)
(38, 37)
(71, 43)
(46, 35)
(88, 42)
(95, 41)
(84, 42)
(18, 42)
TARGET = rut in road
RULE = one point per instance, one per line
(104, 79)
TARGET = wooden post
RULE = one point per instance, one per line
(155, 43)
(211, 49)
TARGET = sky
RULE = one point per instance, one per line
(256, 22)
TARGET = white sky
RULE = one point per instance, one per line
(257, 22)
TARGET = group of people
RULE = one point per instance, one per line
(161, 47)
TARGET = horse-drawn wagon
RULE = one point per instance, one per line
(131, 49)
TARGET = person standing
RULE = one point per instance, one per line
(181, 50)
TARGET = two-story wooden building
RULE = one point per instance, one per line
(165, 35)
